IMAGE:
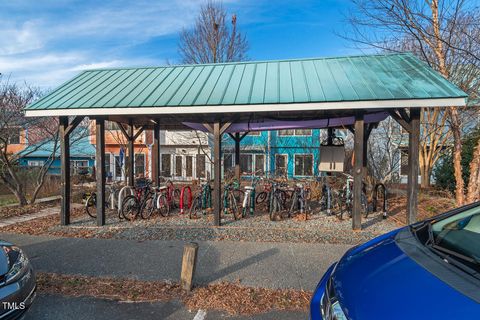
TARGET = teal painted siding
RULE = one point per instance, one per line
(304, 148)
(29, 162)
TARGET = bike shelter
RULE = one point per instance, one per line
(234, 98)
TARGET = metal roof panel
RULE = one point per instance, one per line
(315, 80)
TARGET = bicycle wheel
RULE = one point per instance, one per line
(234, 207)
(261, 197)
(91, 205)
(130, 208)
(162, 205)
(294, 205)
(274, 206)
(148, 207)
(238, 194)
(195, 210)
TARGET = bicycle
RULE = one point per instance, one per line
(264, 195)
(231, 198)
(134, 205)
(277, 200)
(346, 199)
(202, 202)
(249, 199)
(299, 199)
(111, 196)
(172, 194)
(155, 200)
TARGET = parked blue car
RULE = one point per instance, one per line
(429, 270)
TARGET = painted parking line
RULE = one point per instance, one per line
(201, 314)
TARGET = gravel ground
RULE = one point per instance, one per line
(319, 228)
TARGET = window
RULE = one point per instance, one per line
(110, 125)
(296, 132)
(259, 163)
(166, 165)
(178, 166)
(108, 164)
(227, 161)
(255, 133)
(289, 132)
(281, 164)
(139, 164)
(189, 166)
(35, 163)
(246, 163)
(303, 132)
(201, 166)
(79, 166)
(303, 164)
(118, 166)
(14, 136)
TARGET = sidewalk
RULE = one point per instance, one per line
(269, 265)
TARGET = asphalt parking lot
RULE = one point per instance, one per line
(48, 307)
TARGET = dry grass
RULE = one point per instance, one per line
(228, 297)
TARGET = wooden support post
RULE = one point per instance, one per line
(237, 156)
(156, 155)
(366, 134)
(65, 170)
(217, 173)
(100, 170)
(131, 156)
(413, 165)
(358, 172)
(189, 262)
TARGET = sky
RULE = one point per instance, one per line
(44, 43)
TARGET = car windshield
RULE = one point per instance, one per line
(460, 233)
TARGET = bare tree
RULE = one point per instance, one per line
(212, 40)
(21, 137)
(445, 34)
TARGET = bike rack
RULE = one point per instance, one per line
(374, 200)
(182, 194)
(121, 196)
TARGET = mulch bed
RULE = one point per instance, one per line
(429, 205)
(12, 211)
(229, 297)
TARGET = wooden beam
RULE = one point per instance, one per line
(413, 165)
(397, 117)
(64, 171)
(224, 127)
(122, 129)
(244, 135)
(366, 135)
(139, 132)
(208, 127)
(131, 157)
(217, 173)
(156, 155)
(351, 129)
(100, 170)
(358, 172)
(75, 122)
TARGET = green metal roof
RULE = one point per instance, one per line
(357, 78)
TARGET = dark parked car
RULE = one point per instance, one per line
(17, 282)
(429, 270)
